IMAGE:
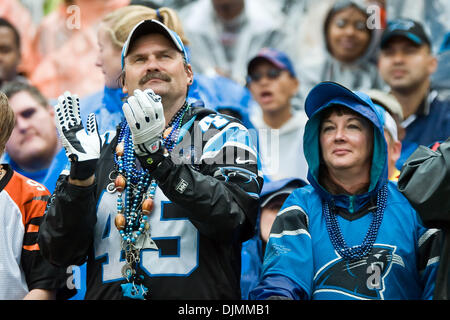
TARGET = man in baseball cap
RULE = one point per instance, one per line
(276, 57)
(152, 26)
(406, 63)
(143, 68)
(406, 28)
(273, 83)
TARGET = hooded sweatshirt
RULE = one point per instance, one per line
(360, 74)
(301, 260)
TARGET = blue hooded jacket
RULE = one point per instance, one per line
(328, 94)
(301, 261)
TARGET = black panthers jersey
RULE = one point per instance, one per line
(205, 206)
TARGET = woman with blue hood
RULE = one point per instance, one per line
(350, 234)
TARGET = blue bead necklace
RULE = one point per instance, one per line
(134, 184)
(337, 238)
(170, 139)
(136, 193)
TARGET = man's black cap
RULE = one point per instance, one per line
(407, 28)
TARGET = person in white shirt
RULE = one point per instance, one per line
(273, 83)
(225, 34)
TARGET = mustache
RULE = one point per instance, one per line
(154, 75)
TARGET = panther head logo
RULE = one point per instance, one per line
(362, 279)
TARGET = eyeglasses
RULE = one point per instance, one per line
(272, 74)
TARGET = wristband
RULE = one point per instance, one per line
(81, 170)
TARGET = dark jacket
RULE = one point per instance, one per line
(429, 124)
(425, 181)
(203, 211)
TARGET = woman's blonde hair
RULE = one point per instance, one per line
(7, 120)
(120, 22)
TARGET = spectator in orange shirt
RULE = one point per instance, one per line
(25, 274)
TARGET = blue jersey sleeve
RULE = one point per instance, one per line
(288, 262)
(277, 287)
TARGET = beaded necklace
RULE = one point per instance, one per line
(136, 192)
(337, 238)
(172, 131)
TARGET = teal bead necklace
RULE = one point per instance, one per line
(136, 192)
(337, 238)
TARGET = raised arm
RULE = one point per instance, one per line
(67, 230)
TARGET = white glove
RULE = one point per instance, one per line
(82, 148)
(145, 115)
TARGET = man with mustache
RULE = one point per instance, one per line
(156, 212)
(154, 75)
(406, 63)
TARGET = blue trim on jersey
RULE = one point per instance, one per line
(177, 255)
(216, 120)
(107, 228)
(185, 128)
(232, 134)
(171, 274)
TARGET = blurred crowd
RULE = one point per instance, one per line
(58, 39)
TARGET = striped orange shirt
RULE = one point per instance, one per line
(22, 206)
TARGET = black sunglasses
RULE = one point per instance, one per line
(272, 73)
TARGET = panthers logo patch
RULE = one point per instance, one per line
(361, 279)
